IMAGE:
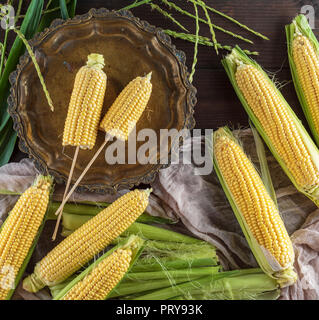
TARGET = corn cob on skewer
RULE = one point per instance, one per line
(92, 237)
(119, 121)
(99, 279)
(19, 233)
(303, 50)
(276, 122)
(254, 208)
(84, 111)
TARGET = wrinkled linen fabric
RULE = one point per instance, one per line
(201, 206)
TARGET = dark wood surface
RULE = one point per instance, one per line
(217, 103)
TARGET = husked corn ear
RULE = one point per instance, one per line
(277, 124)
(92, 237)
(304, 64)
(255, 206)
(19, 231)
(103, 278)
(128, 107)
(81, 124)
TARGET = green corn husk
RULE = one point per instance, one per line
(188, 274)
(236, 58)
(137, 287)
(149, 232)
(300, 26)
(159, 255)
(264, 169)
(285, 276)
(161, 260)
(76, 214)
(134, 243)
(35, 241)
(247, 284)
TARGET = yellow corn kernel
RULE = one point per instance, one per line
(251, 197)
(83, 244)
(103, 278)
(20, 230)
(278, 124)
(128, 107)
(81, 124)
(307, 65)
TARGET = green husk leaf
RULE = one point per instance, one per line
(267, 262)
(188, 274)
(149, 232)
(264, 168)
(129, 288)
(229, 285)
(300, 26)
(35, 241)
(230, 63)
(137, 245)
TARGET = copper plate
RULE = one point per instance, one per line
(130, 47)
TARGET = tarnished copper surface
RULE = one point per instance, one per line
(130, 48)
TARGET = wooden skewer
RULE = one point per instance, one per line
(76, 153)
(64, 201)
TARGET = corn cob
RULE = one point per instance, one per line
(84, 111)
(119, 121)
(127, 108)
(254, 208)
(99, 279)
(276, 122)
(303, 49)
(19, 233)
(92, 237)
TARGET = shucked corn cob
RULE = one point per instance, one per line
(254, 208)
(303, 53)
(99, 279)
(19, 232)
(120, 120)
(276, 122)
(92, 237)
(81, 124)
(82, 121)
(128, 107)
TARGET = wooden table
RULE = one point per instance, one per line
(217, 103)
